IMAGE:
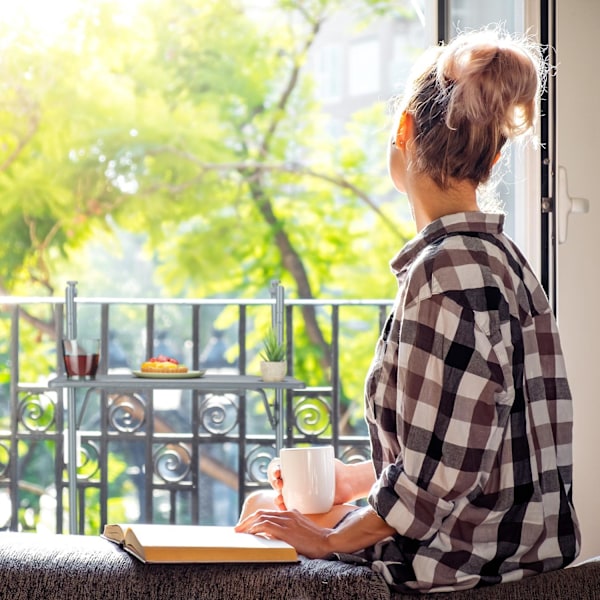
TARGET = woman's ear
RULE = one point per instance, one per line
(405, 125)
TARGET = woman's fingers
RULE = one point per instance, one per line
(274, 474)
(279, 502)
(277, 482)
(291, 526)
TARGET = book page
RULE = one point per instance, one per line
(199, 543)
(114, 532)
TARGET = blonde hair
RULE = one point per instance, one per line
(467, 99)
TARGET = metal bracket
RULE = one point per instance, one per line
(547, 205)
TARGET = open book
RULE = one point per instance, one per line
(157, 543)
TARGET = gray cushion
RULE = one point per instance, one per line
(36, 567)
(581, 582)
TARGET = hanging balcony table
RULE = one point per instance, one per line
(206, 384)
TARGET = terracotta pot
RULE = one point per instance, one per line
(273, 371)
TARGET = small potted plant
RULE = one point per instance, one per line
(273, 366)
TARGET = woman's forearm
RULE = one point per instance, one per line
(360, 529)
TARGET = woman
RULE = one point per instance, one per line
(467, 400)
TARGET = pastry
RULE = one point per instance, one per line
(163, 364)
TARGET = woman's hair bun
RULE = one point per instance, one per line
(469, 97)
(490, 77)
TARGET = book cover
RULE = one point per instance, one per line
(158, 543)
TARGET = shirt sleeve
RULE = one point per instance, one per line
(452, 401)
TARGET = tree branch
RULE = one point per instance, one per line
(257, 168)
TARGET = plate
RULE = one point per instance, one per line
(188, 375)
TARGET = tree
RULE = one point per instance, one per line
(195, 122)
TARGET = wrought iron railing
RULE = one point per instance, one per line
(163, 456)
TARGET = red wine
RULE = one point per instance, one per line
(82, 365)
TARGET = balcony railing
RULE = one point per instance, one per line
(168, 455)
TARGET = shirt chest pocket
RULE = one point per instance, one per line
(385, 355)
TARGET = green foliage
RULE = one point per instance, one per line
(273, 350)
(183, 120)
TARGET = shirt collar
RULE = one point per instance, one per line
(464, 222)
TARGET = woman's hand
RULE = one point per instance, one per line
(362, 528)
(291, 526)
(344, 485)
(352, 481)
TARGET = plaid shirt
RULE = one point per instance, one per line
(470, 416)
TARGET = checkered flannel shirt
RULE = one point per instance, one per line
(470, 416)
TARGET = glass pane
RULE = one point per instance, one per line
(464, 15)
(472, 14)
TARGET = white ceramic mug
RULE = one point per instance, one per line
(308, 478)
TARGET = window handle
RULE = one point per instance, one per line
(567, 205)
